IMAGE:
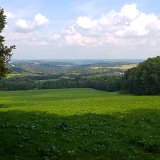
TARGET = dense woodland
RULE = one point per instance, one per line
(144, 79)
(107, 83)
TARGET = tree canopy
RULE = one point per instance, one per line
(5, 51)
(143, 79)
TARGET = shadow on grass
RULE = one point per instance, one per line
(3, 106)
(36, 135)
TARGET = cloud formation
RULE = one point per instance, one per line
(122, 27)
(127, 27)
(85, 22)
(23, 25)
(9, 15)
(40, 19)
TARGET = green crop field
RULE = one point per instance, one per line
(78, 124)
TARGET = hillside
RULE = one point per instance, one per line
(78, 124)
(55, 74)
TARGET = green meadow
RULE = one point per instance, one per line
(78, 124)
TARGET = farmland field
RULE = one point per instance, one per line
(78, 124)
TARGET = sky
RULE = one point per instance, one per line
(82, 29)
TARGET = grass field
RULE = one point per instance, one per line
(123, 67)
(78, 124)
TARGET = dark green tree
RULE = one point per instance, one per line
(143, 79)
(5, 51)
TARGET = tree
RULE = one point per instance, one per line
(5, 51)
(143, 79)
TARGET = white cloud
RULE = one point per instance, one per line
(54, 37)
(31, 39)
(126, 27)
(23, 25)
(130, 11)
(9, 15)
(26, 39)
(121, 27)
(85, 22)
(40, 19)
(143, 25)
(73, 37)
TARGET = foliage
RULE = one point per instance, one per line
(143, 79)
(103, 82)
(5, 51)
(78, 124)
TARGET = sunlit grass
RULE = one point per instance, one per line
(78, 124)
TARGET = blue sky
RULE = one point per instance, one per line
(83, 29)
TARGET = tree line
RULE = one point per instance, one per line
(106, 83)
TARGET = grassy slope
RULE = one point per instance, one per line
(78, 124)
